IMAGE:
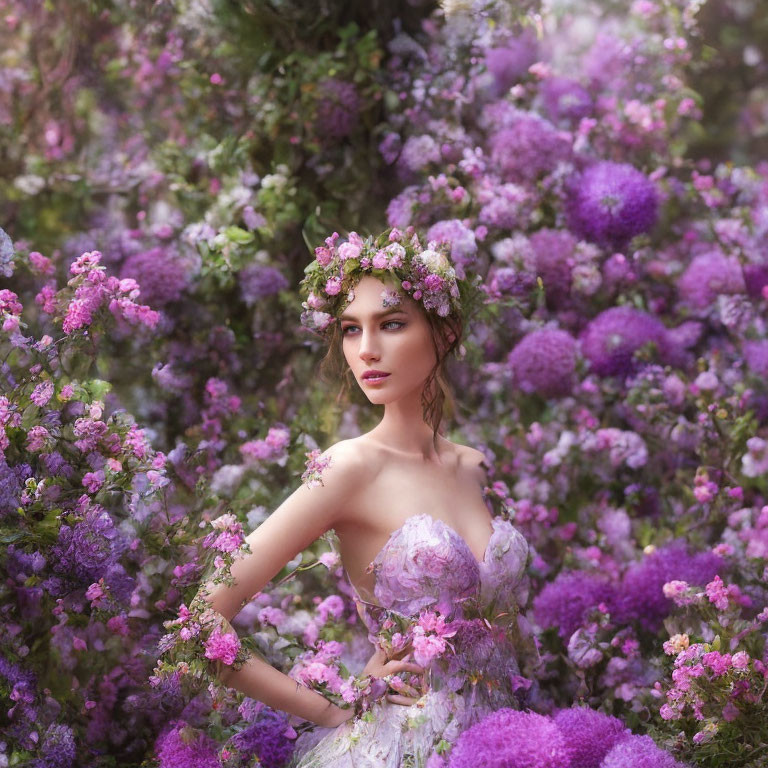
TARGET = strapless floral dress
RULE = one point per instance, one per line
(426, 566)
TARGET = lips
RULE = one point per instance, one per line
(373, 376)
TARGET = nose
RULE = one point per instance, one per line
(369, 349)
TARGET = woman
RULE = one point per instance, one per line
(437, 578)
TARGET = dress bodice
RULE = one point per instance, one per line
(427, 564)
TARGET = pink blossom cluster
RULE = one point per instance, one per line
(270, 448)
(94, 290)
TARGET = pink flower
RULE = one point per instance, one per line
(349, 251)
(740, 660)
(329, 559)
(222, 646)
(380, 260)
(36, 438)
(333, 286)
(66, 393)
(717, 593)
(92, 481)
(324, 256)
(42, 393)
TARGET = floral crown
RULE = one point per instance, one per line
(424, 274)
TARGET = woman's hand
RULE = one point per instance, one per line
(379, 666)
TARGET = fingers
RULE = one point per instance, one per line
(395, 667)
(397, 698)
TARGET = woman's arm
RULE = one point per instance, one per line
(304, 516)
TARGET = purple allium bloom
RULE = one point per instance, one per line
(755, 277)
(338, 108)
(554, 250)
(609, 203)
(544, 361)
(565, 98)
(257, 282)
(564, 602)
(509, 63)
(14, 674)
(529, 148)
(390, 147)
(508, 738)
(58, 749)
(56, 464)
(708, 276)
(161, 274)
(756, 357)
(265, 739)
(589, 735)
(642, 596)
(611, 339)
(181, 745)
(638, 752)
(87, 549)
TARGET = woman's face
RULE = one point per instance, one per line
(396, 341)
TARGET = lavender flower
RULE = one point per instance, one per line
(509, 63)
(58, 748)
(544, 361)
(755, 278)
(270, 739)
(589, 735)
(566, 601)
(554, 250)
(638, 752)
(642, 596)
(565, 99)
(459, 237)
(400, 208)
(708, 276)
(88, 548)
(257, 282)
(338, 108)
(528, 149)
(10, 489)
(418, 152)
(610, 203)
(756, 357)
(611, 339)
(161, 274)
(510, 739)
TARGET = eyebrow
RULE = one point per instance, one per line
(391, 311)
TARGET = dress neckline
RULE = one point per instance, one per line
(433, 521)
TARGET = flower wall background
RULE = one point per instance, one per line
(168, 168)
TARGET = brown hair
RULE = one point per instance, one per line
(437, 395)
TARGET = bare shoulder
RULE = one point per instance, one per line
(472, 460)
(348, 462)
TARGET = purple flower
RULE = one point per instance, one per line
(589, 735)
(638, 752)
(400, 208)
(88, 548)
(338, 108)
(544, 361)
(642, 589)
(418, 152)
(611, 339)
(529, 148)
(756, 357)
(708, 276)
(257, 282)
(755, 277)
(509, 63)
(565, 602)
(508, 738)
(554, 250)
(461, 240)
(10, 488)
(610, 203)
(184, 745)
(58, 748)
(565, 99)
(162, 275)
(270, 739)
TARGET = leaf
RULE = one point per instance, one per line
(238, 235)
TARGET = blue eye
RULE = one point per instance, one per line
(397, 323)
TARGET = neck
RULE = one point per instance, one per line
(403, 429)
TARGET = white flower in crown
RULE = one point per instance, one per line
(434, 261)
